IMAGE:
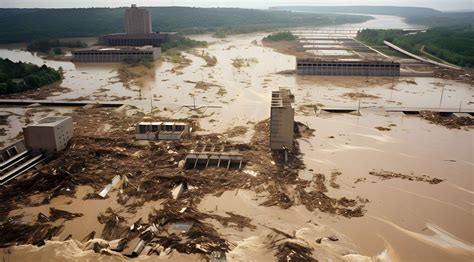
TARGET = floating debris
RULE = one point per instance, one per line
(385, 175)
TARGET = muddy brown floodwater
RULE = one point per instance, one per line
(404, 220)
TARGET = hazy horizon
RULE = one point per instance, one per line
(441, 5)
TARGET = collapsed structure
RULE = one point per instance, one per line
(138, 33)
(204, 156)
(312, 66)
(162, 130)
(282, 120)
(41, 139)
(11, 150)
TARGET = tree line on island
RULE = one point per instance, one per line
(18, 76)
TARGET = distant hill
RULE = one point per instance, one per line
(18, 25)
(415, 15)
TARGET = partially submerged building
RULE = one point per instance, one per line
(138, 30)
(116, 54)
(49, 134)
(122, 39)
(41, 139)
(137, 20)
(162, 130)
(136, 43)
(313, 66)
(282, 120)
(204, 156)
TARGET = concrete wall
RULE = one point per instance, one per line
(348, 68)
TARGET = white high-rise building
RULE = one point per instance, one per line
(137, 21)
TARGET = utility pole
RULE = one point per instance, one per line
(441, 99)
(358, 108)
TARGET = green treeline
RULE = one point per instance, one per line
(45, 45)
(453, 44)
(18, 77)
(25, 25)
(280, 36)
(413, 15)
(180, 42)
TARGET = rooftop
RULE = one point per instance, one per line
(282, 98)
(341, 60)
(50, 121)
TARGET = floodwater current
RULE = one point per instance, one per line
(404, 221)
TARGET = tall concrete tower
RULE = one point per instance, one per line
(137, 21)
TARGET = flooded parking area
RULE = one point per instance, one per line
(404, 219)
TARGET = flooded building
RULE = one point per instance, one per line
(121, 39)
(220, 156)
(282, 120)
(310, 66)
(138, 31)
(162, 130)
(49, 134)
(116, 54)
(137, 20)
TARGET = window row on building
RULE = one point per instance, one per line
(114, 56)
(347, 69)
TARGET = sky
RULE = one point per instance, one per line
(443, 5)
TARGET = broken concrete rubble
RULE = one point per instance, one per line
(177, 191)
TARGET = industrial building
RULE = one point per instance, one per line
(282, 120)
(49, 134)
(162, 130)
(310, 66)
(116, 54)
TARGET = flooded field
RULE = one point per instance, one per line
(405, 220)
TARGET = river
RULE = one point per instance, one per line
(405, 220)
